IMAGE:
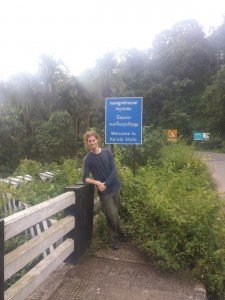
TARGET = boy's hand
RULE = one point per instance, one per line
(101, 186)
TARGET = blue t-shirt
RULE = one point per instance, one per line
(102, 168)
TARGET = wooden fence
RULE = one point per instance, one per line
(75, 228)
(12, 206)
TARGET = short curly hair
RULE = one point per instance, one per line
(90, 133)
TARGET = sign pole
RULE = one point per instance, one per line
(134, 159)
(112, 148)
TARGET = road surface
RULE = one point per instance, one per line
(216, 163)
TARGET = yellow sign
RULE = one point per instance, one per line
(172, 135)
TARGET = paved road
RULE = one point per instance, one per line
(216, 163)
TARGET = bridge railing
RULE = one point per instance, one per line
(75, 228)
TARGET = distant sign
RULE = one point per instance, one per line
(172, 135)
(198, 136)
(206, 136)
(201, 136)
(123, 120)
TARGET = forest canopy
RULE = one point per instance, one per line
(180, 77)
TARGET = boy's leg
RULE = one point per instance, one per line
(110, 210)
(120, 226)
(110, 206)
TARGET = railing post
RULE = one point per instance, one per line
(83, 212)
(2, 252)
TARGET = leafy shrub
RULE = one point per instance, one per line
(100, 236)
(56, 137)
(66, 173)
(210, 144)
(153, 141)
(151, 148)
(174, 215)
(12, 135)
(29, 167)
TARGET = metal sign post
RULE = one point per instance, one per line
(134, 159)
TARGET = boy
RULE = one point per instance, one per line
(100, 163)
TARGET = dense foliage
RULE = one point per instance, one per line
(180, 78)
(174, 215)
(65, 173)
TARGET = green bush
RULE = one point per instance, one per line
(66, 173)
(174, 215)
(56, 138)
(12, 135)
(213, 143)
(29, 167)
(100, 235)
(153, 141)
(151, 148)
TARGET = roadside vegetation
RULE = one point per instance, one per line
(174, 215)
(170, 207)
(65, 173)
(172, 211)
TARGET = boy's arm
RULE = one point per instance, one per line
(112, 173)
(86, 173)
(101, 186)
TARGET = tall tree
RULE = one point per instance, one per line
(55, 138)
(217, 45)
(104, 81)
(53, 74)
(132, 68)
(182, 52)
(11, 138)
(213, 104)
(76, 100)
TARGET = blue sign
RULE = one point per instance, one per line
(198, 136)
(123, 120)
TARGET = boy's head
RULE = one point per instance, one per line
(91, 137)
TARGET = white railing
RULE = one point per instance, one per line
(77, 204)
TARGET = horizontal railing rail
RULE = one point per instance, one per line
(12, 206)
(21, 256)
(32, 279)
(19, 222)
(77, 225)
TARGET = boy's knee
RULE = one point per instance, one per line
(114, 222)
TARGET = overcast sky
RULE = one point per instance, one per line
(80, 31)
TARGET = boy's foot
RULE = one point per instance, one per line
(123, 238)
(114, 245)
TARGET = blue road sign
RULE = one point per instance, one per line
(123, 120)
(198, 136)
